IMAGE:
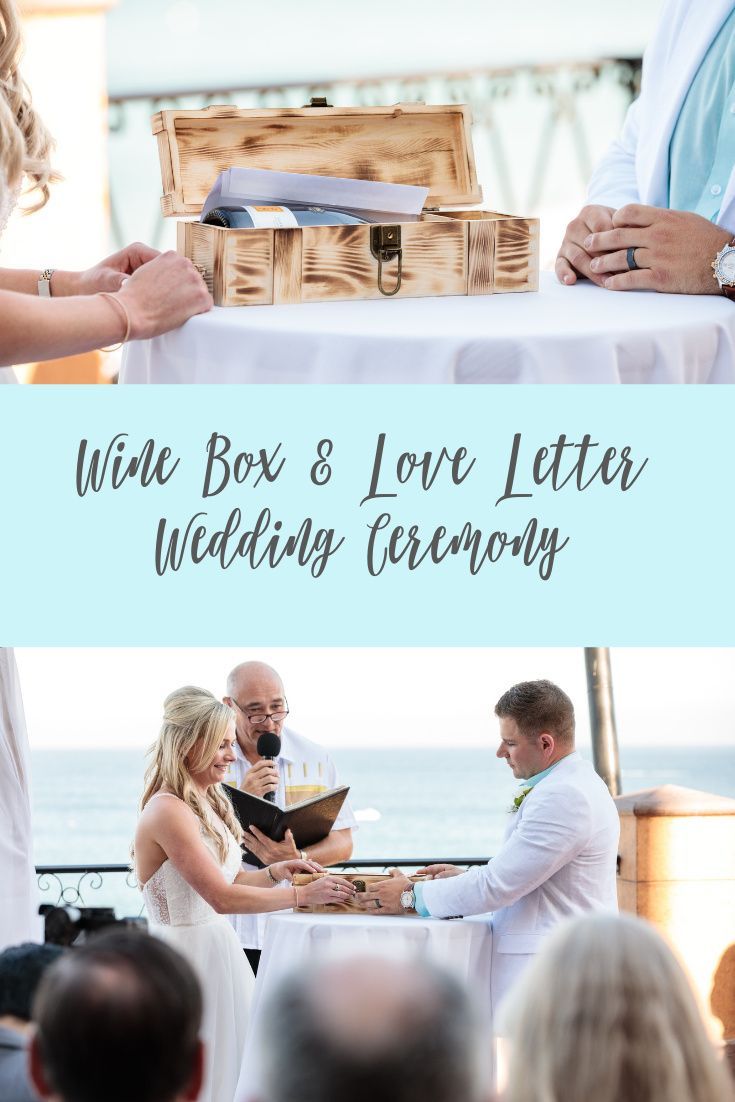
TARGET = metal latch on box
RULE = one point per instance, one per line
(385, 245)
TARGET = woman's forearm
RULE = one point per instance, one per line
(33, 328)
(245, 899)
(25, 281)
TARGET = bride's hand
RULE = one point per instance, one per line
(284, 870)
(327, 889)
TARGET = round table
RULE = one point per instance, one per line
(580, 334)
(461, 946)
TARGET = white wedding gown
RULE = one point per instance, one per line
(180, 916)
(8, 199)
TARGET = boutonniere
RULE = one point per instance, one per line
(518, 800)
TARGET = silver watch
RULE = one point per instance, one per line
(724, 269)
(408, 899)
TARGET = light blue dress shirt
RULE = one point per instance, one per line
(702, 149)
(418, 889)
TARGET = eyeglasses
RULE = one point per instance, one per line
(261, 717)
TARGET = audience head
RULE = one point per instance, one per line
(21, 969)
(606, 1013)
(118, 1019)
(194, 726)
(368, 1029)
(24, 141)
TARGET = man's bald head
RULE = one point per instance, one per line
(248, 677)
(255, 690)
(371, 1028)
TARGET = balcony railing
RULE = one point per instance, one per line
(538, 129)
(115, 885)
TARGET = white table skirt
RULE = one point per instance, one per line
(462, 947)
(580, 334)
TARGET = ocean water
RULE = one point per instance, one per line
(411, 803)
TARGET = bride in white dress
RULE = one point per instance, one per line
(188, 861)
(132, 294)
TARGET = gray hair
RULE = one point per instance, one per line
(368, 1029)
(606, 1012)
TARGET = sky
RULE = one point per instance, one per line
(94, 698)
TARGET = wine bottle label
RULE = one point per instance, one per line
(272, 218)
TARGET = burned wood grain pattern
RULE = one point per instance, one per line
(195, 242)
(516, 254)
(481, 249)
(247, 267)
(407, 143)
(337, 262)
(287, 251)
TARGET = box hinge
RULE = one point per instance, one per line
(385, 245)
(318, 101)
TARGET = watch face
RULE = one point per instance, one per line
(726, 266)
(407, 899)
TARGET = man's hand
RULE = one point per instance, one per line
(268, 851)
(574, 258)
(110, 273)
(261, 778)
(674, 251)
(387, 893)
(439, 872)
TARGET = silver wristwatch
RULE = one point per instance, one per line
(408, 899)
(724, 269)
(44, 283)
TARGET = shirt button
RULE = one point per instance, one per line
(715, 189)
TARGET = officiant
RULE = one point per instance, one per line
(301, 770)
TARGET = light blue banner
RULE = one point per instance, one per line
(632, 547)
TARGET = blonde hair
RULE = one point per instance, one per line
(194, 724)
(25, 144)
(606, 1014)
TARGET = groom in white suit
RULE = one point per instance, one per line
(661, 203)
(559, 856)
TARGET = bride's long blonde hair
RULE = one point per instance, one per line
(194, 724)
(25, 143)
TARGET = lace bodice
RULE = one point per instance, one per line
(170, 901)
(8, 200)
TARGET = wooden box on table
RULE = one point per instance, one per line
(446, 252)
(348, 907)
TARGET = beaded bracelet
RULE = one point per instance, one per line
(271, 877)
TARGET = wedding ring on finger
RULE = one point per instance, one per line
(630, 257)
(378, 905)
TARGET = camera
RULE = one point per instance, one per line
(66, 925)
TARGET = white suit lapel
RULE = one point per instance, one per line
(674, 69)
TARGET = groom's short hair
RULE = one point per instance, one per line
(118, 1019)
(538, 706)
(372, 1028)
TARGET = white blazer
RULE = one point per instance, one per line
(635, 168)
(559, 858)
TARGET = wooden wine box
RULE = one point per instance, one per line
(445, 252)
(360, 879)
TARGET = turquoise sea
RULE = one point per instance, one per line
(411, 803)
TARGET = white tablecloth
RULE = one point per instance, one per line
(580, 334)
(292, 940)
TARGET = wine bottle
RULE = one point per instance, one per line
(279, 216)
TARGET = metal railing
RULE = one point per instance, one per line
(84, 885)
(535, 126)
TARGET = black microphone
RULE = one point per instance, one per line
(269, 747)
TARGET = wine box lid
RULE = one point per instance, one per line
(408, 143)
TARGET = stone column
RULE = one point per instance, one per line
(65, 67)
(677, 869)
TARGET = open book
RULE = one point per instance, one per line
(310, 821)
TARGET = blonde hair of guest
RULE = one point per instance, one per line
(606, 1013)
(194, 724)
(25, 144)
